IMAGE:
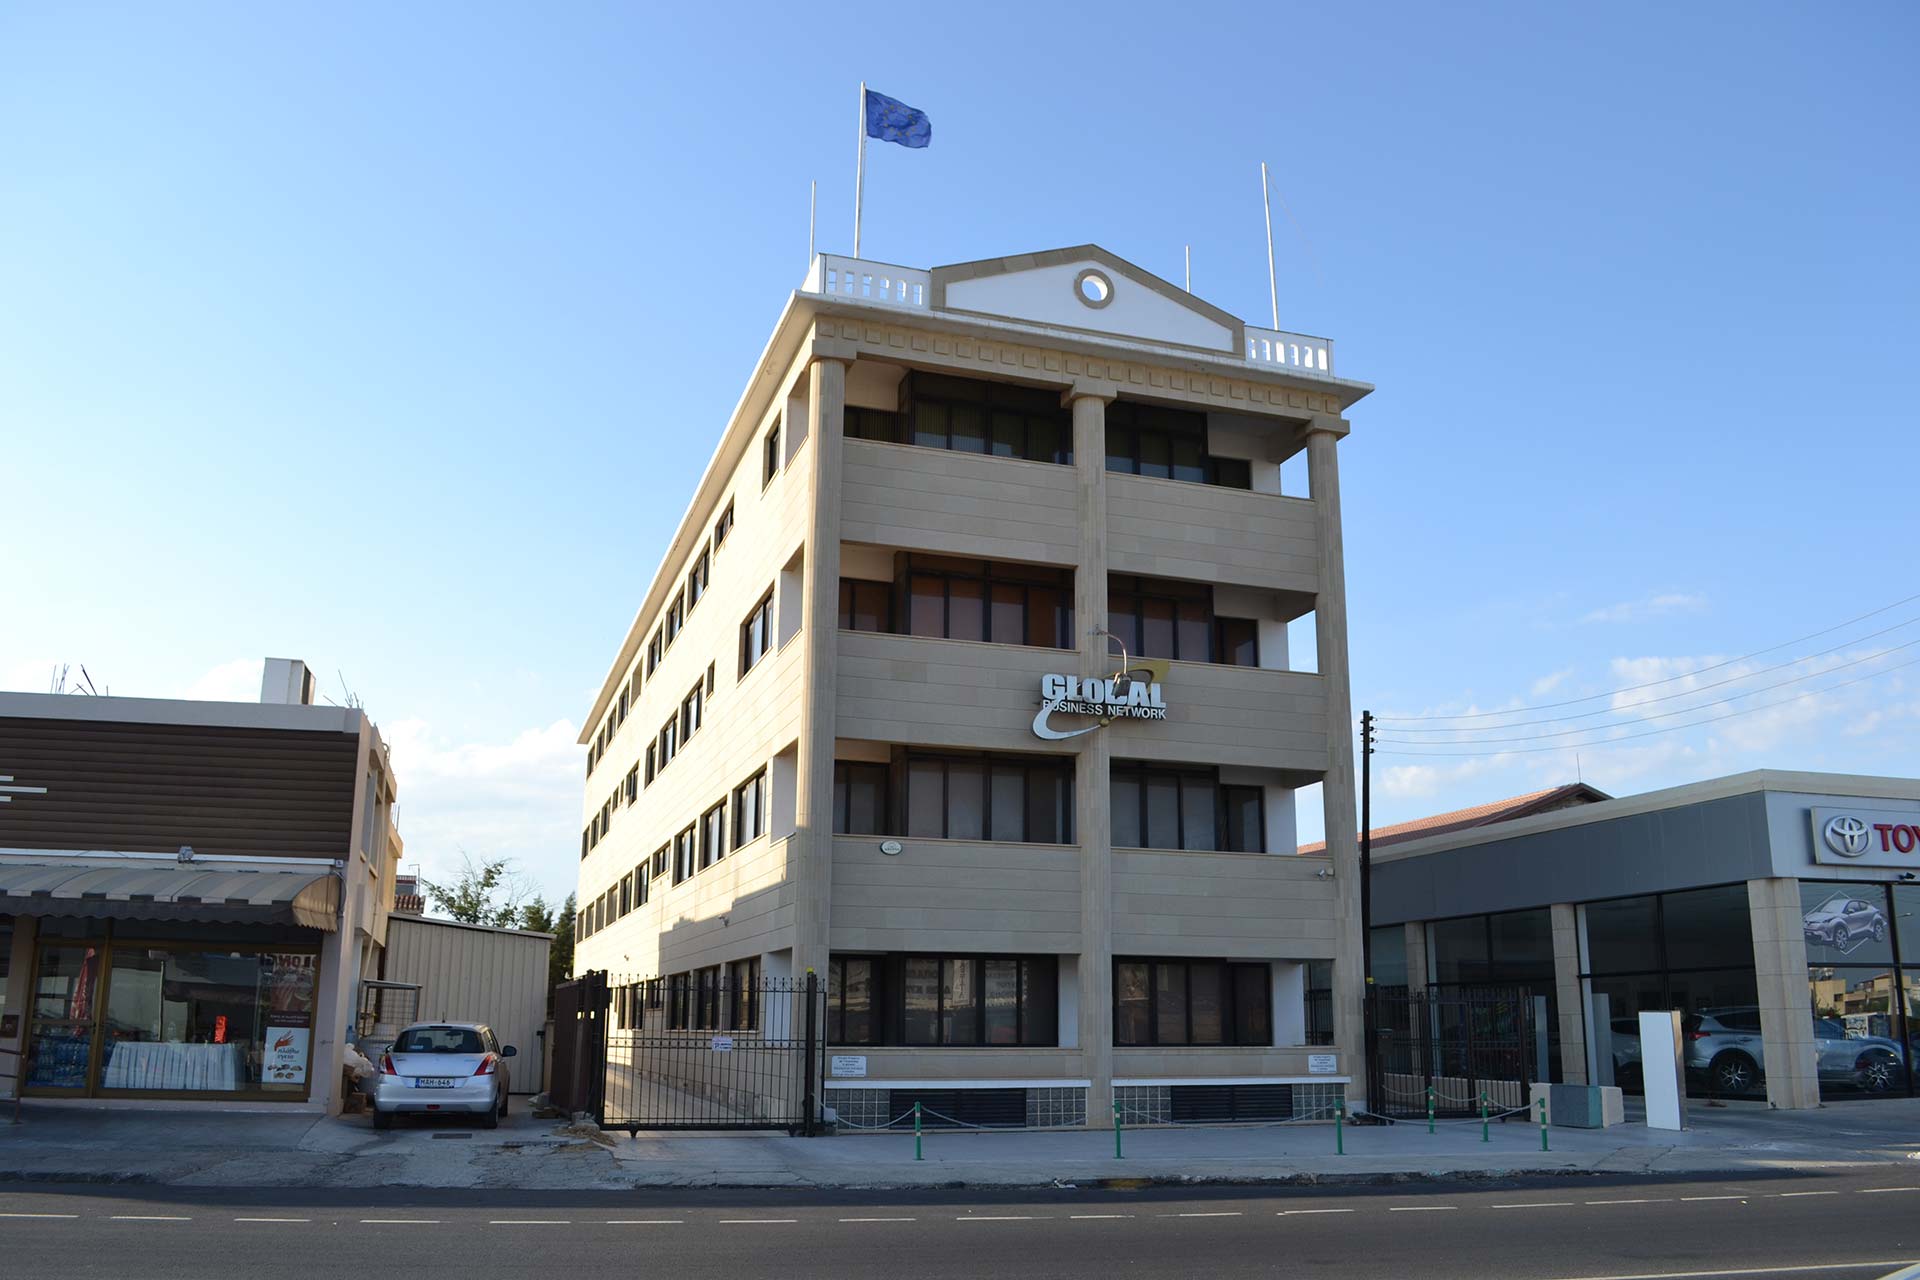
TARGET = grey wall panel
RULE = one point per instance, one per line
(477, 975)
(1789, 821)
(1713, 842)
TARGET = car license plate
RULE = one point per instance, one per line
(433, 1082)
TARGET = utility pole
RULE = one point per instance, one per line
(1366, 849)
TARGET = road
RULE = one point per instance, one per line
(1797, 1228)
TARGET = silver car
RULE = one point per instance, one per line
(1725, 1046)
(443, 1068)
(1841, 920)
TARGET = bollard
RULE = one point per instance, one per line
(1429, 1108)
(1116, 1131)
(1543, 1124)
(1483, 1117)
(1339, 1139)
(916, 1131)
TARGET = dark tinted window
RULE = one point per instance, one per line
(439, 1040)
(1707, 927)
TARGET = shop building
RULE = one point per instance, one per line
(979, 680)
(190, 893)
(1778, 912)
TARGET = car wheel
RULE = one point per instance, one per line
(490, 1119)
(1879, 930)
(382, 1119)
(503, 1106)
(1877, 1072)
(1733, 1073)
(1838, 937)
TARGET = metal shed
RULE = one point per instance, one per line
(472, 973)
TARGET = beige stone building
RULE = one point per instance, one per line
(980, 679)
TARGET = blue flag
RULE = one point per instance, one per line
(892, 120)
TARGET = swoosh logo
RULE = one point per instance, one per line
(1041, 729)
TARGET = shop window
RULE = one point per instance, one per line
(962, 1000)
(1389, 955)
(1707, 927)
(1192, 1002)
(989, 797)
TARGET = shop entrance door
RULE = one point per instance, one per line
(64, 1027)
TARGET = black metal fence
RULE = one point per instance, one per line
(711, 1051)
(1465, 1044)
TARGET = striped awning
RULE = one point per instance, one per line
(184, 892)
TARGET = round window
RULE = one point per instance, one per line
(1093, 288)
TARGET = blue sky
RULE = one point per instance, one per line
(395, 337)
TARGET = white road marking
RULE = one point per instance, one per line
(1657, 1200)
(876, 1219)
(1002, 1218)
(1880, 1191)
(401, 1222)
(1088, 1217)
(1421, 1208)
(1751, 1271)
(149, 1217)
(1540, 1204)
(645, 1222)
(1224, 1214)
(53, 1215)
(273, 1219)
(748, 1222)
(529, 1222)
(1688, 1199)
(1288, 1213)
(1788, 1195)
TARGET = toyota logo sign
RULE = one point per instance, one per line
(1846, 835)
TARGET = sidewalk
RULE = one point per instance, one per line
(263, 1149)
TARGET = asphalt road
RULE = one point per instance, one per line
(1798, 1228)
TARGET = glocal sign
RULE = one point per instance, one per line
(1867, 838)
(1121, 697)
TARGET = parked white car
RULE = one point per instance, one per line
(435, 1068)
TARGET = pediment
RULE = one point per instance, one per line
(1089, 289)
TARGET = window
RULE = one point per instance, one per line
(706, 994)
(1160, 807)
(743, 993)
(713, 835)
(659, 867)
(655, 648)
(683, 847)
(723, 526)
(652, 764)
(1168, 444)
(1236, 642)
(987, 600)
(676, 617)
(1160, 618)
(866, 606)
(859, 798)
(770, 455)
(690, 708)
(982, 797)
(902, 999)
(620, 715)
(1197, 1002)
(998, 418)
(697, 579)
(1319, 994)
(871, 424)
(668, 741)
(633, 783)
(756, 633)
(586, 844)
(750, 809)
(709, 679)
(641, 885)
(625, 896)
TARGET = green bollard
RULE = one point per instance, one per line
(916, 1131)
(1543, 1124)
(1339, 1138)
(1429, 1108)
(1484, 1137)
(1116, 1132)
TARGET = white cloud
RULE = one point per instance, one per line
(518, 799)
(236, 681)
(1548, 683)
(1651, 607)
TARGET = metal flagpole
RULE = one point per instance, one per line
(1266, 201)
(1189, 268)
(813, 202)
(860, 177)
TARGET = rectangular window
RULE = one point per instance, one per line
(972, 416)
(655, 648)
(652, 763)
(668, 741)
(865, 606)
(690, 709)
(723, 526)
(770, 455)
(709, 679)
(633, 783)
(1001, 603)
(871, 424)
(750, 809)
(1162, 618)
(990, 797)
(1168, 444)
(756, 633)
(967, 1000)
(713, 835)
(660, 855)
(683, 854)
(1162, 807)
(1237, 641)
(859, 799)
(697, 579)
(641, 885)
(1192, 1002)
(743, 995)
(676, 618)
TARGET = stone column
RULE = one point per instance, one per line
(1337, 792)
(810, 853)
(1572, 1010)
(1780, 972)
(1416, 931)
(1093, 818)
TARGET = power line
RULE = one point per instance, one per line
(1653, 684)
(1672, 728)
(1632, 720)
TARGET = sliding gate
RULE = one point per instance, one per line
(1462, 1043)
(708, 1050)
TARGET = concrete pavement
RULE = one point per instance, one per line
(266, 1149)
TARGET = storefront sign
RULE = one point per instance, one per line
(283, 1061)
(1121, 697)
(1323, 1064)
(1866, 838)
(850, 1065)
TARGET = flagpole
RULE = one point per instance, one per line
(813, 203)
(1266, 201)
(860, 174)
(1189, 268)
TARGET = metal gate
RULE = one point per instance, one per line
(579, 1045)
(708, 1050)
(1463, 1043)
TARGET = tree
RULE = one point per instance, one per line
(489, 893)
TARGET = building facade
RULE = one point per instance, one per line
(1779, 913)
(979, 680)
(190, 893)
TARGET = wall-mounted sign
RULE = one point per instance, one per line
(890, 847)
(1323, 1064)
(850, 1065)
(1866, 838)
(1125, 696)
(283, 1060)
(723, 1044)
